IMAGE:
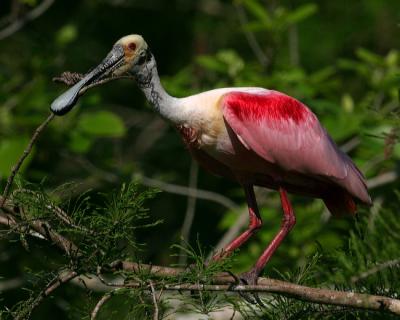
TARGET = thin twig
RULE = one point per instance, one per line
(190, 211)
(32, 15)
(293, 37)
(40, 229)
(185, 191)
(60, 213)
(62, 278)
(60, 241)
(71, 78)
(26, 152)
(350, 144)
(7, 220)
(149, 135)
(377, 268)
(100, 304)
(63, 78)
(154, 298)
(11, 284)
(141, 267)
(382, 179)
(233, 314)
(59, 280)
(251, 39)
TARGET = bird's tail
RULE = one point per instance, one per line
(340, 203)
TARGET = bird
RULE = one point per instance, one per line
(251, 135)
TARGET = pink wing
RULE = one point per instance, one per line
(283, 131)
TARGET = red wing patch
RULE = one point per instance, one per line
(270, 106)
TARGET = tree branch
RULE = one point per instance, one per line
(250, 37)
(190, 211)
(314, 295)
(59, 280)
(54, 285)
(223, 282)
(26, 152)
(40, 228)
(382, 179)
(32, 15)
(185, 191)
(154, 298)
(377, 268)
(100, 304)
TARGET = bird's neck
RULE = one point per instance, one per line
(149, 82)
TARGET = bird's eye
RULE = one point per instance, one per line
(132, 46)
(142, 59)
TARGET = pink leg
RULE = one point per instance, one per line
(255, 223)
(288, 222)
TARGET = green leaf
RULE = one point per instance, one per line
(255, 8)
(347, 103)
(370, 57)
(302, 13)
(102, 124)
(79, 142)
(232, 60)
(211, 63)
(66, 34)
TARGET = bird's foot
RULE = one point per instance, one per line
(248, 278)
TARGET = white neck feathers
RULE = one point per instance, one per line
(149, 82)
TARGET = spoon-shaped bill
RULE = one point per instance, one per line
(69, 98)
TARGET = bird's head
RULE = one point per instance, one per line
(136, 55)
(129, 54)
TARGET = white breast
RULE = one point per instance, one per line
(203, 112)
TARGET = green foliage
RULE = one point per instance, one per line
(368, 262)
(10, 150)
(277, 21)
(66, 35)
(101, 123)
(103, 234)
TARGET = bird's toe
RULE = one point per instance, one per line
(248, 278)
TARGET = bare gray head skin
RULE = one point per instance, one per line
(129, 54)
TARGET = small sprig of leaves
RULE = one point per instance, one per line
(115, 225)
(103, 233)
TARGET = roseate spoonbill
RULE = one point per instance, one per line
(255, 136)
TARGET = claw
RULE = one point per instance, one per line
(248, 278)
(236, 278)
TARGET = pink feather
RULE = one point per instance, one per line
(286, 133)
